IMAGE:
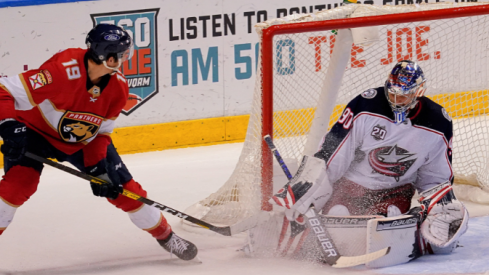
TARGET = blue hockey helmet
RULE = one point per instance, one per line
(107, 40)
(405, 84)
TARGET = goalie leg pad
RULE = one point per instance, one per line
(398, 233)
(281, 237)
(265, 239)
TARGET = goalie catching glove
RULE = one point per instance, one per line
(446, 217)
(309, 187)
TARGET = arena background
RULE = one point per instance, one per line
(193, 75)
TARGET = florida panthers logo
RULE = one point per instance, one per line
(391, 161)
(77, 127)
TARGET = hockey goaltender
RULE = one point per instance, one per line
(389, 142)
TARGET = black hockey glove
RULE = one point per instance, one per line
(105, 171)
(14, 136)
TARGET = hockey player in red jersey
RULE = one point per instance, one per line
(66, 110)
(388, 142)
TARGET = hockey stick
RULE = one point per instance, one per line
(329, 250)
(223, 230)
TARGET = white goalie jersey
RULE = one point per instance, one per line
(365, 146)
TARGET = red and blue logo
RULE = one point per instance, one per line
(391, 161)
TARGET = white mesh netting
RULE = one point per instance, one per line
(451, 52)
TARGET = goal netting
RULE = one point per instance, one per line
(311, 65)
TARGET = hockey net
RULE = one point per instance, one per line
(311, 65)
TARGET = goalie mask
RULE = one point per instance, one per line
(105, 41)
(405, 84)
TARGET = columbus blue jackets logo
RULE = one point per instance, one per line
(391, 161)
(370, 93)
(141, 71)
(445, 114)
(78, 127)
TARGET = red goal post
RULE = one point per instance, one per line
(302, 86)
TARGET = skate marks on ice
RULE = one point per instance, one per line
(119, 266)
(472, 257)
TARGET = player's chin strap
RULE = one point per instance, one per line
(114, 69)
(445, 217)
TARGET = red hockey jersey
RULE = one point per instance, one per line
(54, 101)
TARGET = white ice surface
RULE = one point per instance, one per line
(64, 229)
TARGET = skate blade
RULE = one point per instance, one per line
(196, 260)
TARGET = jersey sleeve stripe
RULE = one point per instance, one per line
(27, 91)
(8, 203)
(50, 114)
(16, 87)
(107, 126)
(444, 140)
(5, 88)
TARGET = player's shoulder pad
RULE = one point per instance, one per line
(120, 76)
(434, 116)
(369, 94)
(371, 101)
(54, 70)
(121, 79)
(62, 60)
(67, 55)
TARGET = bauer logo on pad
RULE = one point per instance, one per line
(396, 224)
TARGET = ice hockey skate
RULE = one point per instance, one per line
(179, 247)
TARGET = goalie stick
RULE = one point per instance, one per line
(223, 230)
(329, 250)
